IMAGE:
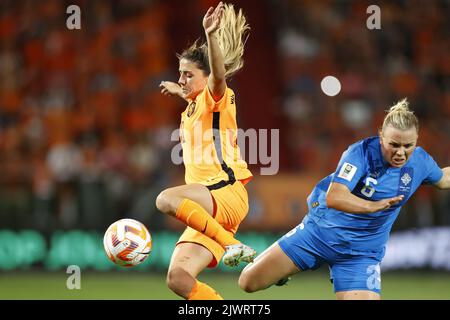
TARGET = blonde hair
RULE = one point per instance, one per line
(401, 117)
(231, 36)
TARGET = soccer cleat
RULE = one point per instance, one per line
(282, 281)
(236, 253)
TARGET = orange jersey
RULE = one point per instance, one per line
(208, 135)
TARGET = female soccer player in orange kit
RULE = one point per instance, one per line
(214, 201)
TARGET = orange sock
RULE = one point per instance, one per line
(201, 291)
(193, 215)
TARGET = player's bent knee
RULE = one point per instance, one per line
(178, 281)
(246, 282)
(163, 202)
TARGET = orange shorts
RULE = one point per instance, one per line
(231, 207)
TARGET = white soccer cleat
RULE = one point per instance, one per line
(236, 253)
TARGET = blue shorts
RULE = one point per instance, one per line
(347, 271)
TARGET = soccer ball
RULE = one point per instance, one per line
(127, 242)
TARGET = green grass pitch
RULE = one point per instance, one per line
(151, 285)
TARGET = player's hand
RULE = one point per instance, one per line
(211, 20)
(169, 88)
(385, 203)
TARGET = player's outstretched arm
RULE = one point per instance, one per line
(444, 183)
(340, 198)
(216, 80)
(169, 88)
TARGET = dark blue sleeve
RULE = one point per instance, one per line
(351, 167)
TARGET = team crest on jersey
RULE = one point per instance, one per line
(406, 179)
(347, 171)
(404, 183)
(191, 108)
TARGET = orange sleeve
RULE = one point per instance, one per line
(214, 106)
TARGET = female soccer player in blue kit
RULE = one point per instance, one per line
(351, 212)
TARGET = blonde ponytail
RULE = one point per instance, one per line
(232, 35)
(401, 117)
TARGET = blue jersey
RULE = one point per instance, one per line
(364, 171)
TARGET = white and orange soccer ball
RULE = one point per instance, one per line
(127, 242)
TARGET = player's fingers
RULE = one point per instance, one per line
(208, 13)
(218, 10)
(395, 200)
(221, 7)
(220, 14)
